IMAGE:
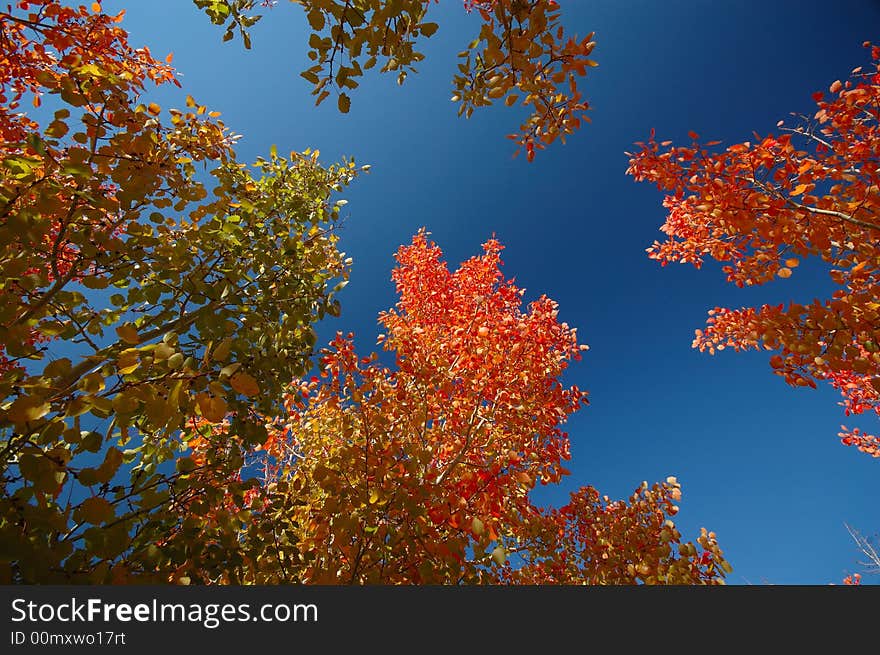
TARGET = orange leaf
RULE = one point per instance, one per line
(213, 409)
(244, 384)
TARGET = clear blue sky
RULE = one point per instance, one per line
(760, 462)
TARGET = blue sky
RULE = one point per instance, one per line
(760, 462)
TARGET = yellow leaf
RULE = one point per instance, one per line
(128, 362)
(26, 409)
(244, 384)
(125, 403)
(163, 351)
(799, 189)
(784, 272)
(793, 262)
(499, 555)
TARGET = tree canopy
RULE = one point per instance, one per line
(166, 413)
(121, 239)
(521, 54)
(421, 471)
(172, 441)
(760, 208)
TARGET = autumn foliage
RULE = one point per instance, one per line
(157, 421)
(421, 471)
(125, 305)
(521, 54)
(760, 208)
(67, 40)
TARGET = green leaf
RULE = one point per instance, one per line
(499, 555)
(185, 465)
(80, 170)
(22, 165)
(52, 328)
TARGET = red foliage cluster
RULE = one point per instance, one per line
(760, 207)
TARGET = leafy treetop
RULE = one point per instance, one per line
(125, 305)
(521, 54)
(760, 208)
(421, 472)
